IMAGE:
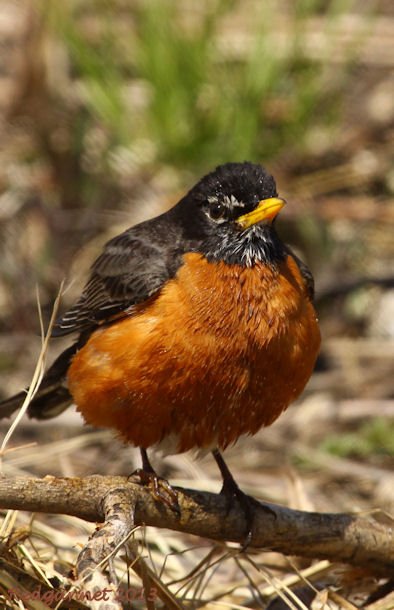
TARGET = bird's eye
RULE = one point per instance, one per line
(217, 211)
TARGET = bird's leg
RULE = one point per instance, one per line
(232, 492)
(230, 487)
(146, 465)
(160, 487)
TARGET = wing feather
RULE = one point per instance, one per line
(130, 269)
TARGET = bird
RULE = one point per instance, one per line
(195, 328)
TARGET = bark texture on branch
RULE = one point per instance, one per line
(348, 538)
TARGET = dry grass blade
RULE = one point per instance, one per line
(34, 564)
(280, 588)
(196, 575)
(253, 585)
(151, 582)
(342, 602)
(37, 455)
(196, 569)
(13, 584)
(38, 372)
(8, 524)
(319, 569)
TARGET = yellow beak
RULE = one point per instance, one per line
(266, 210)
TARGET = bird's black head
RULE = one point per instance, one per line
(230, 213)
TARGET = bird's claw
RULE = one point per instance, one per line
(160, 488)
(248, 504)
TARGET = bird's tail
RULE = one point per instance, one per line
(47, 403)
(52, 397)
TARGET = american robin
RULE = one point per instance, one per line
(195, 327)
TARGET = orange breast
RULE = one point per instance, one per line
(220, 352)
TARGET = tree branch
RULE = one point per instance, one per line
(347, 538)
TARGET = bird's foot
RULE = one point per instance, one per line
(232, 492)
(159, 487)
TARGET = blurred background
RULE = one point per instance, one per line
(111, 109)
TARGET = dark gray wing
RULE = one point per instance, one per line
(306, 274)
(131, 268)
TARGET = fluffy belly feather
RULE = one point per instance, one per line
(220, 352)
